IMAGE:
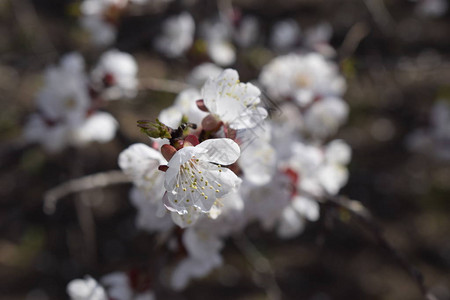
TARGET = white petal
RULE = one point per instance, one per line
(306, 207)
(291, 223)
(222, 151)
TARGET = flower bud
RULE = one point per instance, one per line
(168, 151)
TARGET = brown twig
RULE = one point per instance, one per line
(262, 271)
(353, 38)
(363, 216)
(89, 182)
(162, 85)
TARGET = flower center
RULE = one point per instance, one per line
(195, 180)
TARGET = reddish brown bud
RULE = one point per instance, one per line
(210, 123)
(168, 151)
(163, 168)
(191, 139)
(201, 105)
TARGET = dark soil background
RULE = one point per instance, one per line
(395, 73)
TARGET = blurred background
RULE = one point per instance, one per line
(395, 58)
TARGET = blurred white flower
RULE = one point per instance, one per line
(177, 35)
(203, 250)
(285, 35)
(247, 32)
(434, 140)
(64, 96)
(233, 102)
(86, 289)
(324, 117)
(115, 75)
(266, 203)
(64, 110)
(195, 176)
(151, 212)
(292, 219)
(302, 78)
(431, 8)
(99, 127)
(258, 161)
(99, 18)
(201, 73)
(184, 105)
(119, 288)
(140, 163)
(217, 35)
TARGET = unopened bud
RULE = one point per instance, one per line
(168, 151)
(201, 105)
(210, 123)
(191, 139)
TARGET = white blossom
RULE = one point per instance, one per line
(285, 35)
(217, 35)
(177, 35)
(96, 15)
(184, 105)
(203, 250)
(233, 102)
(99, 127)
(116, 72)
(247, 32)
(140, 163)
(64, 96)
(201, 73)
(151, 212)
(195, 176)
(86, 289)
(324, 117)
(119, 288)
(302, 78)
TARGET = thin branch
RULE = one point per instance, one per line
(381, 16)
(262, 271)
(353, 38)
(364, 217)
(89, 182)
(162, 85)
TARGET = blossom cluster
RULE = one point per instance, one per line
(68, 104)
(217, 162)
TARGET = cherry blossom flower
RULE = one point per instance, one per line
(324, 117)
(99, 18)
(247, 31)
(285, 35)
(431, 8)
(233, 102)
(292, 219)
(119, 287)
(140, 163)
(115, 75)
(203, 250)
(64, 117)
(184, 105)
(86, 289)
(201, 73)
(195, 176)
(302, 78)
(151, 212)
(177, 36)
(217, 35)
